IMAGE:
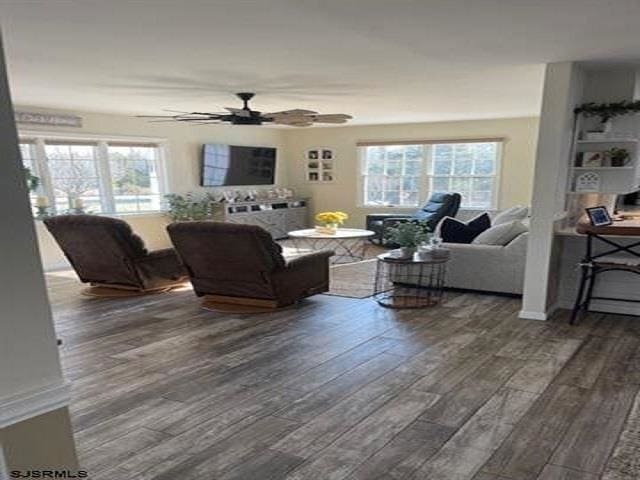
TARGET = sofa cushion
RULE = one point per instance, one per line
(501, 234)
(454, 231)
(510, 214)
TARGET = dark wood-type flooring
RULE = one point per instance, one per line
(344, 389)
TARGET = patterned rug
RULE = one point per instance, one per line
(352, 280)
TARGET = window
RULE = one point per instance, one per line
(27, 151)
(134, 178)
(405, 175)
(99, 176)
(75, 177)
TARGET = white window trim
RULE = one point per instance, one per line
(38, 138)
(425, 175)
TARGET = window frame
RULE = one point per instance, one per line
(39, 141)
(426, 176)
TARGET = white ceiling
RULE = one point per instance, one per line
(379, 60)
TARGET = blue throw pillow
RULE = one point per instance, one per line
(455, 231)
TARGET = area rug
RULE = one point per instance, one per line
(353, 280)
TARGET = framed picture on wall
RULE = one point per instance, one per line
(320, 163)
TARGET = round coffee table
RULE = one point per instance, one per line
(415, 282)
(350, 244)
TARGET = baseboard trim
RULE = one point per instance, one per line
(26, 405)
(531, 315)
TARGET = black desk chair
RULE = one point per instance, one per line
(440, 205)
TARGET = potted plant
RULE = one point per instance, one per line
(618, 156)
(408, 235)
(330, 221)
(187, 208)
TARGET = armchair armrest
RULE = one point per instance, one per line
(303, 276)
(162, 253)
(382, 216)
(160, 266)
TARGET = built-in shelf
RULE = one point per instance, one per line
(604, 168)
(609, 140)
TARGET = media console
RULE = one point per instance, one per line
(276, 216)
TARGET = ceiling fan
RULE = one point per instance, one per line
(246, 116)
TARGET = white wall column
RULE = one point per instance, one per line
(562, 92)
(31, 381)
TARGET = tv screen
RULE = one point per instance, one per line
(229, 165)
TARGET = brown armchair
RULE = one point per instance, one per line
(241, 264)
(106, 253)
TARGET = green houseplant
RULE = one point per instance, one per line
(33, 182)
(187, 208)
(408, 235)
(618, 156)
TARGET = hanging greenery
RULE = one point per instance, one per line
(607, 111)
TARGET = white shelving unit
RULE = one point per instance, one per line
(602, 178)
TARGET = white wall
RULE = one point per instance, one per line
(184, 143)
(517, 163)
(28, 351)
(31, 382)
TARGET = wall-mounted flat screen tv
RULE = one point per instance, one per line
(230, 165)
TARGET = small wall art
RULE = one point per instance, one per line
(320, 165)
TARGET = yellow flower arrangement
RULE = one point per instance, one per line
(331, 218)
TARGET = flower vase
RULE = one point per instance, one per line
(327, 229)
(407, 252)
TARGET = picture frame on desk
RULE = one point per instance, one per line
(599, 216)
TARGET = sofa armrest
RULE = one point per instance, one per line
(493, 268)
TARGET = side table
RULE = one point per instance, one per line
(415, 282)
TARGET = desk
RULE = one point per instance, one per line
(616, 256)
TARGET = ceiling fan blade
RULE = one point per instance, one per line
(163, 120)
(198, 118)
(332, 118)
(293, 122)
(174, 111)
(155, 116)
(239, 111)
(295, 112)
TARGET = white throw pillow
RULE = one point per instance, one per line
(500, 234)
(510, 214)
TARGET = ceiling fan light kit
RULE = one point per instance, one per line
(245, 116)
